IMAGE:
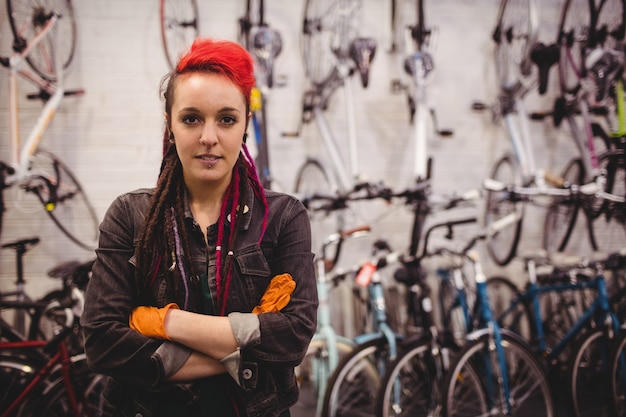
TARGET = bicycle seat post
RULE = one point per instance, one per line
(20, 247)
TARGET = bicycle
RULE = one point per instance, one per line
(590, 66)
(179, 26)
(332, 51)
(495, 373)
(56, 384)
(418, 64)
(327, 347)
(413, 382)
(593, 329)
(265, 45)
(39, 178)
(31, 322)
(353, 386)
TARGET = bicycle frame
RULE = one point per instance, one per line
(600, 306)
(21, 154)
(60, 358)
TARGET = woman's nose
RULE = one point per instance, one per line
(209, 136)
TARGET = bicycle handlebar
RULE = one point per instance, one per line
(372, 191)
(592, 189)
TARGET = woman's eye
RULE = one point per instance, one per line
(229, 120)
(190, 119)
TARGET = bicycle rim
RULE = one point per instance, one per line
(502, 246)
(473, 385)
(312, 375)
(353, 388)
(589, 382)
(411, 386)
(561, 216)
(573, 39)
(68, 206)
(328, 28)
(179, 27)
(515, 35)
(27, 19)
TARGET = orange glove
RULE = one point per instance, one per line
(149, 321)
(277, 294)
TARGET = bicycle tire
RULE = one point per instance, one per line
(312, 375)
(502, 292)
(562, 213)
(179, 25)
(63, 199)
(515, 34)
(466, 386)
(502, 246)
(27, 18)
(589, 386)
(573, 40)
(617, 372)
(353, 387)
(411, 386)
(328, 28)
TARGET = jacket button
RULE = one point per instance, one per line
(247, 373)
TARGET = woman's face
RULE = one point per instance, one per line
(208, 122)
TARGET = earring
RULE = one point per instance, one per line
(245, 137)
(171, 138)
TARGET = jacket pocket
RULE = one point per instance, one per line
(252, 261)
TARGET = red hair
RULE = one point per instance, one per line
(223, 57)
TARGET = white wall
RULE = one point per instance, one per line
(111, 137)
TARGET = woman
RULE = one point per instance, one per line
(203, 297)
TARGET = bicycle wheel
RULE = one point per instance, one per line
(312, 375)
(573, 39)
(28, 18)
(618, 376)
(179, 27)
(515, 34)
(314, 178)
(502, 293)
(352, 389)
(473, 386)
(63, 199)
(328, 28)
(54, 399)
(15, 373)
(411, 386)
(563, 211)
(502, 246)
(589, 389)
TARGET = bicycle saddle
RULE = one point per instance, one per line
(362, 51)
(544, 56)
